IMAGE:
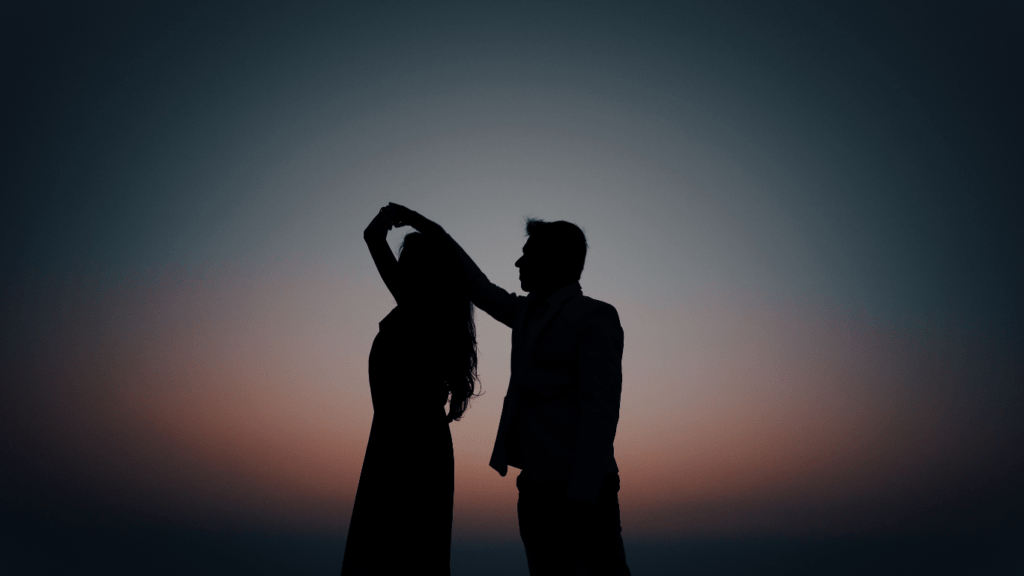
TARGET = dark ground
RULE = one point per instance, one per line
(37, 541)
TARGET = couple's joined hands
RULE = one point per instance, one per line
(390, 216)
(396, 216)
(400, 215)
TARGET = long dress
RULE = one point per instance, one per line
(402, 518)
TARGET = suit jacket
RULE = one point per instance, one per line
(562, 407)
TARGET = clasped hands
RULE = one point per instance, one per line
(396, 216)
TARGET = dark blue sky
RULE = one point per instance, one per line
(885, 137)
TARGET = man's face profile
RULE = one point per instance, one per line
(536, 271)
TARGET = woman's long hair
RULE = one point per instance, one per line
(437, 290)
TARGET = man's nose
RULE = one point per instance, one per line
(519, 262)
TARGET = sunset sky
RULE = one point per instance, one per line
(808, 218)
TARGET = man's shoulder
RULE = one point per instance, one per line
(586, 309)
(589, 304)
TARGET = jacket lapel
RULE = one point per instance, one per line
(554, 305)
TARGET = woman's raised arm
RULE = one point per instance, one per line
(376, 237)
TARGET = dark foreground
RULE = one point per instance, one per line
(34, 541)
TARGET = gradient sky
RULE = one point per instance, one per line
(807, 217)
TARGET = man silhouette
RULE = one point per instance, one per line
(562, 407)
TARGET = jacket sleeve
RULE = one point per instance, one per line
(599, 358)
(490, 298)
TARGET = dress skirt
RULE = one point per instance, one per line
(402, 517)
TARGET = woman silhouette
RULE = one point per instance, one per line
(423, 357)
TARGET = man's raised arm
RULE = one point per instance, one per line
(487, 296)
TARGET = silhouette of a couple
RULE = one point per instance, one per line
(557, 423)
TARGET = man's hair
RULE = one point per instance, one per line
(563, 242)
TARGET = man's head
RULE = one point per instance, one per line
(552, 257)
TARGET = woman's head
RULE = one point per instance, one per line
(435, 290)
(430, 270)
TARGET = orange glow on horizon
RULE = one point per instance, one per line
(243, 399)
